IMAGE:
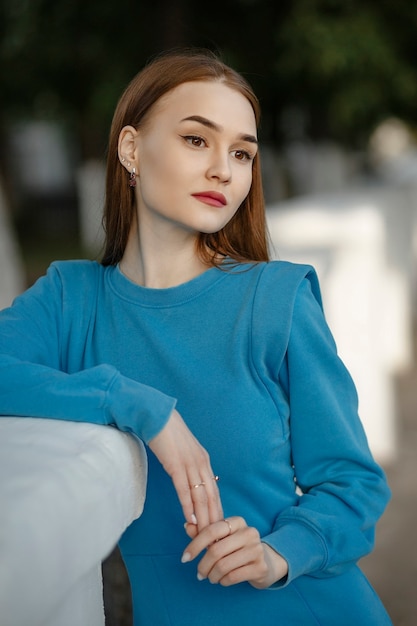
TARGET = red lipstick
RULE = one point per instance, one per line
(213, 198)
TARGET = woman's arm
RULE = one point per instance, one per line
(344, 490)
(33, 382)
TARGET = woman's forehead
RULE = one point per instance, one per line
(214, 100)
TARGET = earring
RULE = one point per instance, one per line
(132, 178)
(122, 159)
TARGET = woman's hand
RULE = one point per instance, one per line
(188, 465)
(234, 554)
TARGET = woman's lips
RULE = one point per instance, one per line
(213, 198)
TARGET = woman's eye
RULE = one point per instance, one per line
(242, 155)
(195, 140)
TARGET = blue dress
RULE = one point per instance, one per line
(245, 355)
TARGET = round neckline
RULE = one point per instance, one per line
(165, 297)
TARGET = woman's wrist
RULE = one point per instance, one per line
(276, 564)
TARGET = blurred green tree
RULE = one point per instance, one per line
(349, 64)
(342, 64)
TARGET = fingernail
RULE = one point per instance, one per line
(185, 557)
(200, 577)
(193, 519)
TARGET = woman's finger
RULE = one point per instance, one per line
(234, 559)
(181, 484)
(191, 530)
(215, 508)
(206, 497)
(212, 534)
(200, 502)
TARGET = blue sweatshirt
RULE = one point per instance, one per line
(245, 355)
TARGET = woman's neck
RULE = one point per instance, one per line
(157, 264)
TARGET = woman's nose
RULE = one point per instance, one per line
(220, 167)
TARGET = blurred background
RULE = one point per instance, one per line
(337, 81)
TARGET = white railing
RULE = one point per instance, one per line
(360, 242)
(67, 492)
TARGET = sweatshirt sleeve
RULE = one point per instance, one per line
(344, 491)
(35, 383)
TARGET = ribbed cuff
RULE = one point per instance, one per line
(138, 408)
(302, 548)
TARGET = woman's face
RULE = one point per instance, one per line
(193, 158)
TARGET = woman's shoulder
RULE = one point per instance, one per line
(76, 269)
(70, 280)
(282, 283)
(288, 277)
(282, 288)
(275, 280)
(287, 270)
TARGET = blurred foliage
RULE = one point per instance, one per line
(327, 68)
(355, 61)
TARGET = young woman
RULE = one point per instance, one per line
(220, 360)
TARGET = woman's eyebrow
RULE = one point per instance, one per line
(216, 127)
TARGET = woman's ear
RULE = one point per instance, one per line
(127, 148)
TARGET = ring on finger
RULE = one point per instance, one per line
(203, 484)
(230, 530)
(230, 527)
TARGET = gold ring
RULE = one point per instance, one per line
(230, 527)
(203, 484)
(228, 534)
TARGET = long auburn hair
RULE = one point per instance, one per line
(245, 237)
